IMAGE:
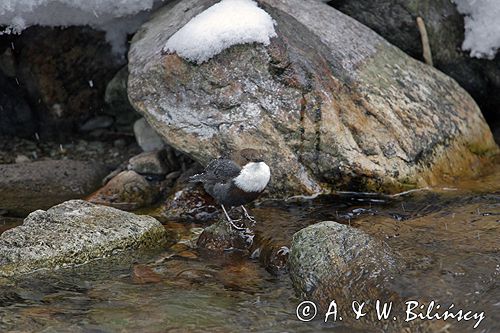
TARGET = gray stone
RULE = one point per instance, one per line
(22, 159)
(146, 136)
(97, 122)
(329, 250)
(331, 261)
(116, 99)
(73, 233)
(39, 185)
(333, 104)
(152, 163)
(395, 20)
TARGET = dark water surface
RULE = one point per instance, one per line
(449, 238)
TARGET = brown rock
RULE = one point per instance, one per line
(127, 191)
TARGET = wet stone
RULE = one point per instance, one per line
(26, 187)
(153, 163)
(128, 190)
(74, 232)
(190, 203)
(328, 257)
(220, 237)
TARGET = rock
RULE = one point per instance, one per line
(22, 159)
(16, 117)
(74, 233)
(220, 237)
(445, 29)
(39, 185)
(333, 104)
(98, 122)
(7, 63)
(65, 72)
(156, 163)
(189, 203)
(127, 191)
(146, 136)
(327, 259)
(117, 101)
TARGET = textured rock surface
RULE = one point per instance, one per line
(27, 187)
(128, 190)
(74, 232)
(332, 103)
(220, 237)
(396, 21)
(331, 261)
(328, 250)
(157, 163)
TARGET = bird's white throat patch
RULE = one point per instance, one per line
(253, 177)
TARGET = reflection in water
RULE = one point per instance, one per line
(448, 238)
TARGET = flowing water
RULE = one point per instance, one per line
(449, 238)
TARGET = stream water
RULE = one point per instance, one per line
(449, 238)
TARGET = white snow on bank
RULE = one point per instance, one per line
(117, 17)
(227, 23)
(482, 26)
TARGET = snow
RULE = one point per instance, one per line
(482, 26)
(227, 23)
(117, 17)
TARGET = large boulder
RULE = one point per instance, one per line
(333, 104)
(395, 20)
(74, 232)
(331, 261)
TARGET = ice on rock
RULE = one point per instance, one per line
(227, 23)
(482, 26)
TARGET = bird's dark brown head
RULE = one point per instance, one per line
(247, 155)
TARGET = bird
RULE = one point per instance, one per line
(235, 181)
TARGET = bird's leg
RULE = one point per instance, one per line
(248, 216)
(230, 220)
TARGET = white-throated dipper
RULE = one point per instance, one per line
(235, 181)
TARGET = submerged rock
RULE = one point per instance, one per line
(326, 255)
(26, 187)
(220, 237)
(331, 261)
(333, 104)
(72, 233)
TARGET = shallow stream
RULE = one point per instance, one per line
(449, 238)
